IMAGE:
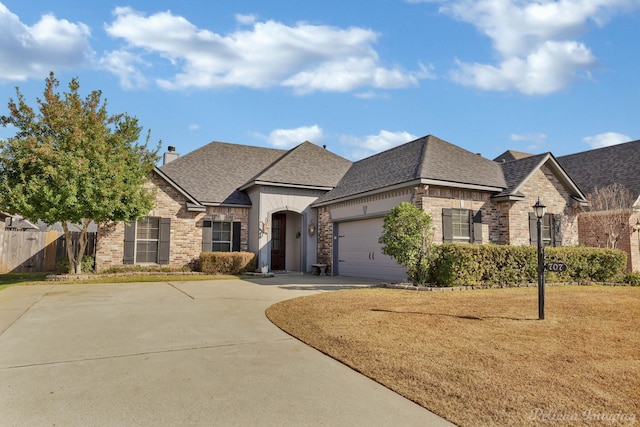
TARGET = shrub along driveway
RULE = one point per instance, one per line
(179, 353)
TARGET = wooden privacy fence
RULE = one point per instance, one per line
(34, 250)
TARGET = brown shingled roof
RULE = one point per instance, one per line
(214, 173)
(604, 166)
(305, 165)
(427, 158)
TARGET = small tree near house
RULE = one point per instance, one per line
(72, 162)
(608, 214)
(407, 237)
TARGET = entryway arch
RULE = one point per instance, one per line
(286, 242)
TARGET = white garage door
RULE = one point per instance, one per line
(360, 254)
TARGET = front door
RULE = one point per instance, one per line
(278, 238)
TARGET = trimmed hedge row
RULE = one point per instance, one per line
(459, 264)
(227, 262)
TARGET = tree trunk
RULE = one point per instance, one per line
(75, 259)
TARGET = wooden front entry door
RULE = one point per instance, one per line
(278, 239)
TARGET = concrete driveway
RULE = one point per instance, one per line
(178, 354)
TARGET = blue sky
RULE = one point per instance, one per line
(359, 76)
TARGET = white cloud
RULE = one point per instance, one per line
(288, 138)
(536, 140)
(606, 139)
(123, 64)
(547, 70)
(361, 147)
(32, 51)
(303, 57)
(536, 41)
(245, 19)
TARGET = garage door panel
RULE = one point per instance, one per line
(360, 254)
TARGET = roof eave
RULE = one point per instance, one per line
(179, 189)
(467, 186)
(366, 193)
(508, 198)
(227, 205)
(282, 184)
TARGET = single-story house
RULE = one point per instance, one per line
(602, 167)
(307, 205)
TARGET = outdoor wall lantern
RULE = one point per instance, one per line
(264, 228)
(312, 228)
(539, 210)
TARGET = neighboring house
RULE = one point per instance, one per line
(16, 222)
(602, 167)
(307, 205)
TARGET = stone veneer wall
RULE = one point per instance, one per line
(325, 237)
(186, 229)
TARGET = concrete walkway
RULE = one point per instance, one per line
(178, 354)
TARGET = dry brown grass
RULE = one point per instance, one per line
(481, 357)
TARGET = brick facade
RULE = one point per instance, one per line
(186, 229)
(593, 232)
(504, 222)
(433, 199)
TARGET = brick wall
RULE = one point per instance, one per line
(186, 229)
(543, 185)
(593, 227)
(504, 222)
(433, 199)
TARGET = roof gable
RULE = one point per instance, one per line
(517, 173)
(428, 159)
(510, 155)
(604, 166)
(306, 165)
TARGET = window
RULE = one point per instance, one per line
(147, 234)
(461, 229)
(550, 229)
(147, 241)
(221, 236)
(461, 225)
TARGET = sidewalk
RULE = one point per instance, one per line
(189, 353)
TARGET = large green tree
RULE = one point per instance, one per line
(407, 237)
(72, 162)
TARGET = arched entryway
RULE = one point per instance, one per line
(286, 241)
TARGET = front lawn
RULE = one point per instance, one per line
(482, 358)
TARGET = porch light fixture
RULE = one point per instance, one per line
(264, 227)
(312, 228)
(539, 210)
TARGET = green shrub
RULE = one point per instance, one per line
(227, 262)
(63, 266)
(406, 237)
(632, 279)
(462, 264)
(586, 264)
